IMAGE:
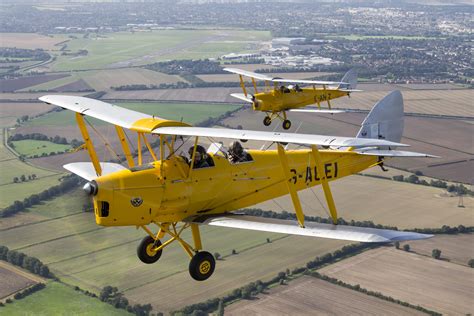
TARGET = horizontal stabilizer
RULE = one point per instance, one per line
(242, 97)
(322, 111)
(392, 153)
(342, 232)
(86, 170)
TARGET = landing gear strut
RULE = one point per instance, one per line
(149, 250)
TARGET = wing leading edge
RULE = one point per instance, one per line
(342, 232)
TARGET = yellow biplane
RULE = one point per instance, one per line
(176, 192)
(276, 98)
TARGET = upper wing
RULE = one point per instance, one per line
(392, 153)
(109, 113)
(248, 74)
(322, 111)
(309, 139)
(302, 81)
(275, 79)
(343, 232)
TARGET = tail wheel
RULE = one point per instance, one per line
(286, 124)
(202, 266)
(145, 250)
(267, 121)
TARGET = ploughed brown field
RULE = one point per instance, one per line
(311, 296)
(10, 85)
(14, 279)
(438, 285)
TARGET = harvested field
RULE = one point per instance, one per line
(14, 279)
(434, 284)
(10, 85)
(235, 78)
(30, 40)
(79, 85)
(249, 67)
(28, 96)
(386, 202)
(454, 248)
(311, 296)
(9, 112)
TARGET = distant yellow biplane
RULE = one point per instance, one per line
(176, 192)
(276, 100)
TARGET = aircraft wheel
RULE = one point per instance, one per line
(286, 124)
(202, 266)
(145, 250)
(267, 121)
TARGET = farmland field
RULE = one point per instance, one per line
(309, 295)
(55, 299)
(454, 248)
(235, 78)
(434, 284)
(84, 254)
(103, 80)
(191, 113)
(14, 279)
(126, 49)
(31, 147)
(31, 40)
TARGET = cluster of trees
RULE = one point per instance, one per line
(24, 178)
(31, 264)
(38, 136)
(371, 293)
(28, 291)
(67, 183)
(471, 263)
(21, 53)
(177, 67)
(112, 296)
(453, 188)
(251, 61)
(22, 119)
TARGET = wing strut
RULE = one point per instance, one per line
(89, 144)
(325, 183)
(291, 186)
(242, 85)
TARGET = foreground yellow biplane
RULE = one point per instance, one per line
(177, 193)
(277, 100)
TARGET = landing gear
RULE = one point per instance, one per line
(286, 124)
(202, 266)
(267, 121)
(149, 250)
(146, 250)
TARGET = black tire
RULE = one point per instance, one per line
(144, 252)
(202, 266)
(286, 124)
(267, 121)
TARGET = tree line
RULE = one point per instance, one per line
(452, 188)
(111, 295)
(68, 183)
(32, 264)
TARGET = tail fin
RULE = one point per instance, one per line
(385, 120)
(350, 80)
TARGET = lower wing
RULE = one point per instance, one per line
(342, 232)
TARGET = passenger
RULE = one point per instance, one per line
(237, 154)
(284, 89)
(200, 157)
(297, 88)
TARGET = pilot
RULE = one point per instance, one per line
(284, 89)
(297, 88)
(200, 158)
(237, 154)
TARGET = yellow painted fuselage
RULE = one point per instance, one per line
(170, 192)
(277, 101)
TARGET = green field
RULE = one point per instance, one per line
(91, 256)
(59, 299)
(129, 48)
(189, 112)
(31, 147)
